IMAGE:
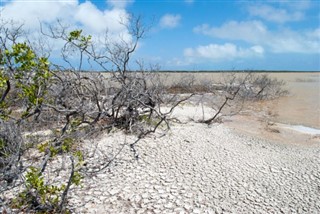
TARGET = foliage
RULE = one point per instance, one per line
(37, 193)
(40, 196)
(78, 39)
(28, 73)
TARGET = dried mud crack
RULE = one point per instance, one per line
(201, 169)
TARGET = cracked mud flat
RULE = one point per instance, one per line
(199, 169)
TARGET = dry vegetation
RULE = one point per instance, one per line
(73, 105)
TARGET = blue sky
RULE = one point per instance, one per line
(197, 35)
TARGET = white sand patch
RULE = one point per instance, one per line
(302, 129)
(187, 113)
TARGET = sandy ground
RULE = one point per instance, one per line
(252, 162)
(301, 107)
(242, 165)
(238, 166)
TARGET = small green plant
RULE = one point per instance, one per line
(43, 197)
(43, 146)
(67, 144)
(64, 147)
(39, 195)
(148, 120)
(76, 178)
(75, 123)
(79, 155)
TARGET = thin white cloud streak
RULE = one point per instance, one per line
(250, 31)
(278, 15)
(119, 3)
(301, 5)
(257, 33)
(225, 52)
(170, 21)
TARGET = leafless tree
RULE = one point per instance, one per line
(236, 88)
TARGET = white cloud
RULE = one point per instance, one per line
(119, 3)
(256, 33)
(227, 51)
(278, 15)
(30, 13)
(294, 42)
(98, 21)
(170, 21)
(257, 49)
(300, 5)
(251, 31)
(78, 15)
(86, 16)
(89, 15)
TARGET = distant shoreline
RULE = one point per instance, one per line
(237, 71)
(215, 71)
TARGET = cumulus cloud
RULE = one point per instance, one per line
(279, 15)
(98, 21)
(73, 13)
(30, 13)
(78, 15)
(227, 51)
(170, 21)
(256, 33)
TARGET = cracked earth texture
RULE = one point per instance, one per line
(199, 169)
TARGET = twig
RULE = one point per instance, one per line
(66, 190)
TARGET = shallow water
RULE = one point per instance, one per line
(302, 106)
(304, 129)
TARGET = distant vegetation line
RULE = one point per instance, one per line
(217, 71)
(237, 71)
